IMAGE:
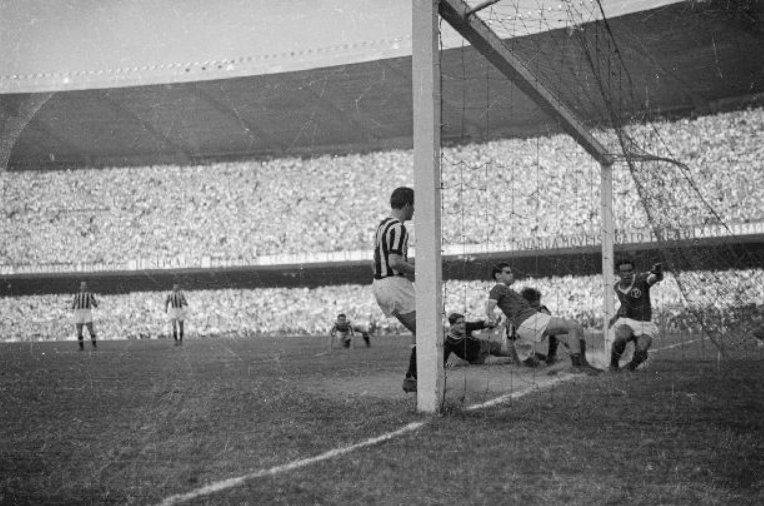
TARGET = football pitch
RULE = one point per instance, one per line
(286, 421)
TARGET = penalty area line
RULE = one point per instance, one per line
(232, 482)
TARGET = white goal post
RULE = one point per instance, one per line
(426, 136)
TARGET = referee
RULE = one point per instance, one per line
(82, 304)
(176, 302)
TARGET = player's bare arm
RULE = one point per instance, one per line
(399, 264)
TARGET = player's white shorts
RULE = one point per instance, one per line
(395, 295)
(82, 316)
(532, 328)
(176, 313)
(639, 328)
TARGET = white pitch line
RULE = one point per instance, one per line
(516, 395)
(232, 482)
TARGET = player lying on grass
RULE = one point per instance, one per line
(460, 341)
(531, 325)
(633, 320)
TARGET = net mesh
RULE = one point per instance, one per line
(672, 183)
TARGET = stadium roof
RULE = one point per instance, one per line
(141, 83)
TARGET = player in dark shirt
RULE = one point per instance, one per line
(633, 320)
(343, 329)
(532, 325)
(460, 341)
(533, 296)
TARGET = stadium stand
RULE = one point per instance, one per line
(250, 209)
(238, 210)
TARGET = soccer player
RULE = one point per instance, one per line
(533, 296)
(393, 291)
(633, 320)
(176, 302)
(345, 330)
(82, 304)
(365, 333)
(531, 325)
(460, 341)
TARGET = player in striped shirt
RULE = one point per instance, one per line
(82, 304)
(393, 291)
(176, 302)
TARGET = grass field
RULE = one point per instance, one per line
(144, 422)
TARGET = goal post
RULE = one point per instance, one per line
(426, 118)
(427, 122)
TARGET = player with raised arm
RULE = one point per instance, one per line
(633, 320)
(393, 291)
(82, 304)
(176, 302)
(532, 326)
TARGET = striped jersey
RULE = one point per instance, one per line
(391, 238)
(84, 300)
(176, 299)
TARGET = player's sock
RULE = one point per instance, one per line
(552, 352)
(93, 341)
(82, 343)
(616, 352)
(575, 360)
(175, 335)
(639, 357)
(411, 373)
(366, 339)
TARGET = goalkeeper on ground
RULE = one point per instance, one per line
(460, 341)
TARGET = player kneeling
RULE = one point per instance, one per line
(343, 331)
(633, 321)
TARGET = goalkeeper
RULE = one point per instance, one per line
(633, 320)
(460, 341)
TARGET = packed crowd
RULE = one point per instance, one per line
(492, 192)
(303, 311)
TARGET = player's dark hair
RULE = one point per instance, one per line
(498, 268)
(625, 261)
(401, 196)
(531, 294)
(342, 315)
(453, 317)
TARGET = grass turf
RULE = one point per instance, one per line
(138, 421)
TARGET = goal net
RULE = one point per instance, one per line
(529, 191)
